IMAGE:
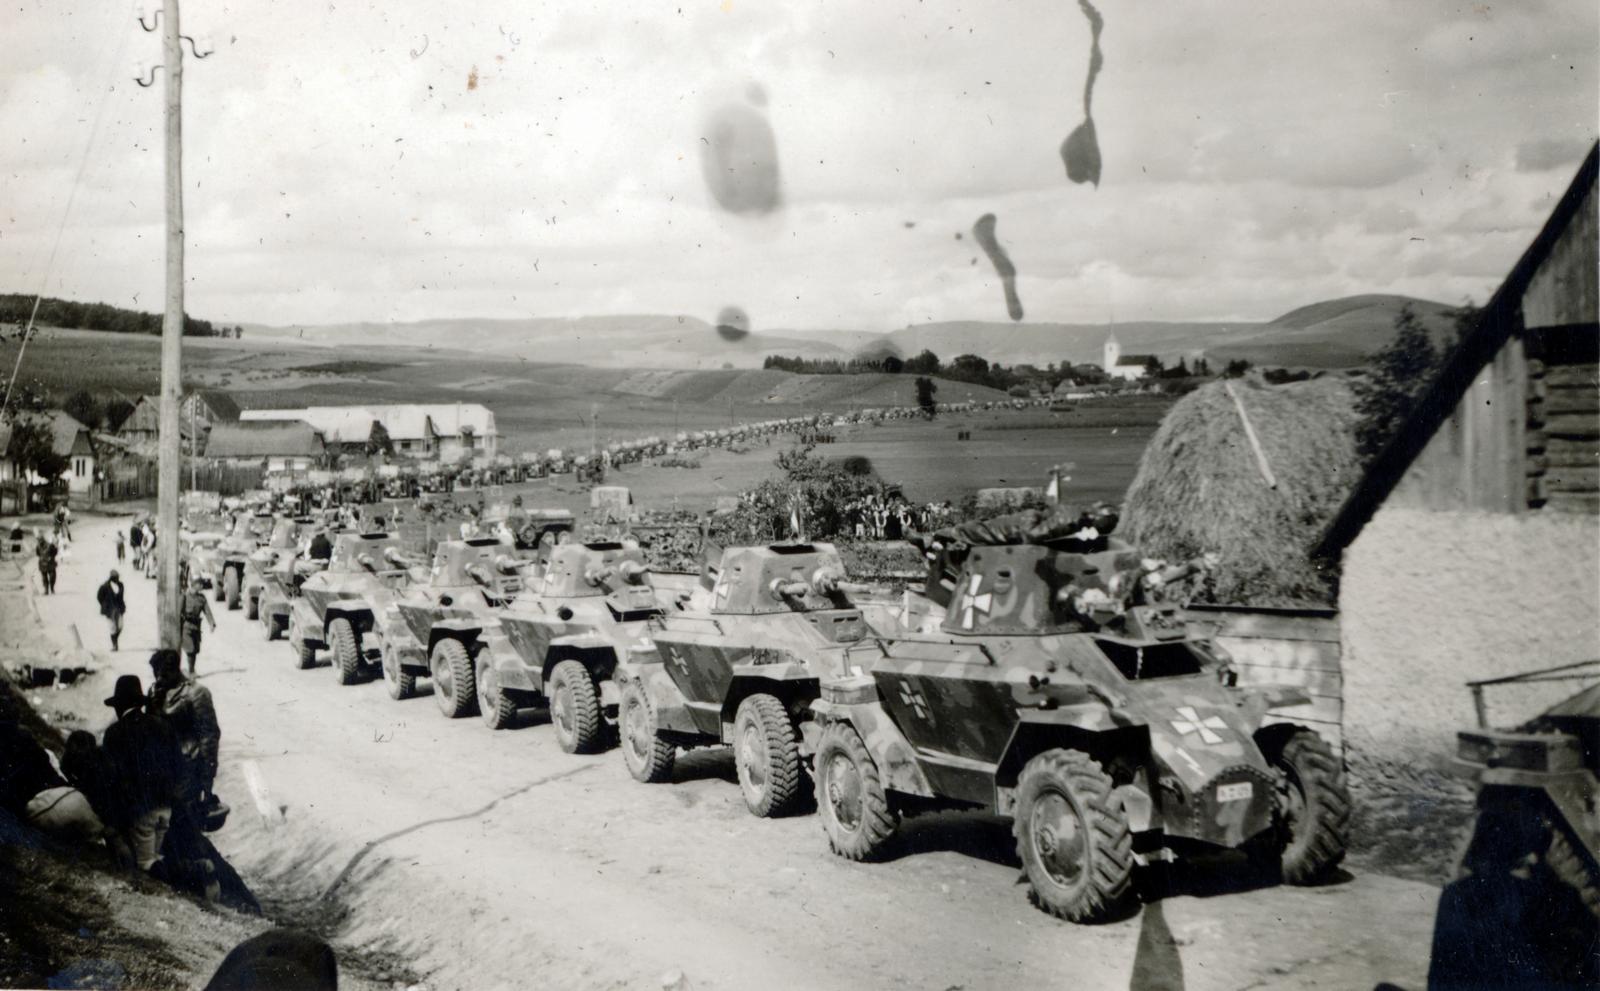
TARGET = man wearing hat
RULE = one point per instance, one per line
(193, 609)
(112, 605)
(141, 761)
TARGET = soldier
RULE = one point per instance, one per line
(48, 553)
(193, 609)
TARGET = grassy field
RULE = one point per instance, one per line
(544, 405)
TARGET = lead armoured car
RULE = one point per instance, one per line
(337, 608)
(741, 665)
(1054, 695)
(560, 641)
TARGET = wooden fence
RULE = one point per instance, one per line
(1294, 647)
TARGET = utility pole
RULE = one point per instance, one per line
(168, 594)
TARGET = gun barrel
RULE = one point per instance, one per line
(789, 590)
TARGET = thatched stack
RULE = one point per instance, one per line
(1200, 487)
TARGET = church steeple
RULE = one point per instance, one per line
(1112, 352)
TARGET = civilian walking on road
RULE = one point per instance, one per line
(142, 766)
(112, 605)
(48, 555)
(194, 609)
(122, 547)
(136, 543)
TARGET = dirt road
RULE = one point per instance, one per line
(491, 859)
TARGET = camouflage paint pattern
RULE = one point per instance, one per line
(1014, 668)
(777, 616)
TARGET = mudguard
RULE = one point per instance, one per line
(891, 751)
(670, 706)
(305, 626)
(355, 610)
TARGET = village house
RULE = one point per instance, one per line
(1471, 544)
(198, 412)
(277, 446)
(446, 432)
(72, 441)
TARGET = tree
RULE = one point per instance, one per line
(1395, 379)
(85, 408)
(33, 448)
(926, 363)
(378, 440)
(927, 388)
(1236, 368)
(117, 412)
(893, 365)
(1153, 366)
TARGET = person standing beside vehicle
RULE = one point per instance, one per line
(194, 609)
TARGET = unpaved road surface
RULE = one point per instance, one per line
(491, 859)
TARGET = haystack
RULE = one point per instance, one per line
(1201, 487)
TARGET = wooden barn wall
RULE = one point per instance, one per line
(1477, 457)
(1566, 288)
(1300, 649)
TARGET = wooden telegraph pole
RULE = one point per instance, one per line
(169, 595)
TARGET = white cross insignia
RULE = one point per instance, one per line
(973, 602)
(1192, 723)
(912, 697)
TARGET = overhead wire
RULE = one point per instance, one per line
(72, 196)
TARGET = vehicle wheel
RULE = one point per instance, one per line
(401, 683)
(574, 708)
(850, 796)
(1072, 839)
(345, 646)
(217, 591)
(1313, 806)
(767, 756)
(649, 758)
(274, 628)
(305, 655)
(452, 678)
(496, 707)
(1570, 868)
(230, 588)
(252, 609)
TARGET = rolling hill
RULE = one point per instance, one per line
(1332, 334)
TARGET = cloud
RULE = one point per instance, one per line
(1544, 154)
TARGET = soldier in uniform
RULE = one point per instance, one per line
(186, 704)
(193, 609)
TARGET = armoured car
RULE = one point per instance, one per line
(258, 567)
(221, 566)
(470, 580)
(1054, 693)
(740, 664)
(338, 608)
(560, 641)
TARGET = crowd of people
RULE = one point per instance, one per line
(876, 516)
(144, 790)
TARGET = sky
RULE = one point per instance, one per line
(506, 158)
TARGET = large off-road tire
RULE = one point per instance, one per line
(252, 607)
(218, 592)
(648, 756)
(766, 752)
(1313, 815)
(575, 708)
(230, 587)
(344, 646)
(1072, 838)
(1572, 869)
(274, 628)
(850, 796)
(495, 706)
(453, 686)
(305, 655)
(401, 684)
